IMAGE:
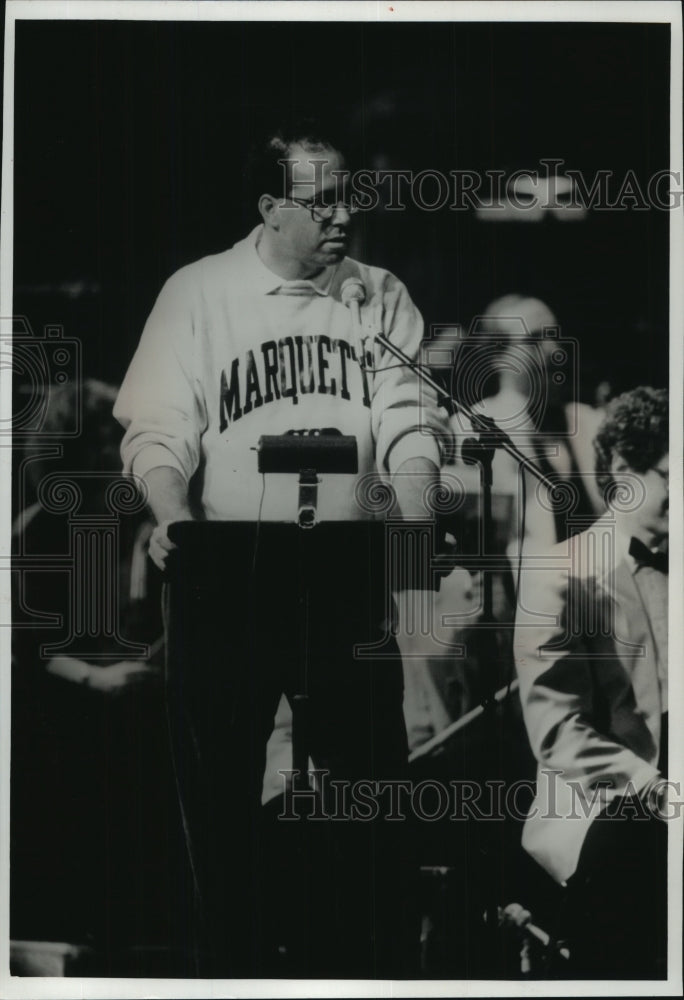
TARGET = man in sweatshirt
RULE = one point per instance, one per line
(251, 342)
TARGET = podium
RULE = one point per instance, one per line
(257, 609)
(321, 591)
(244, 560)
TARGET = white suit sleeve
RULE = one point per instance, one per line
(407, 420)
(161, 403)
(558, 690)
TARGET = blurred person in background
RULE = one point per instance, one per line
(89, 461)
(536, 403)
(514, 367)
(88, 731)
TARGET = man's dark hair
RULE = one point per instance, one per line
(264, 174)
(635, 428)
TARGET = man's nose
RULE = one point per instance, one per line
(341, 215)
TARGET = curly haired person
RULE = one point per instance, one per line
(591, 654)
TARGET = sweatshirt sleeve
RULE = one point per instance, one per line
(407, 419)
(161, 402)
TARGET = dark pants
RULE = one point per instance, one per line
(232, 650)
(617, 898)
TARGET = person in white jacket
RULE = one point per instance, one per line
(256, 341)
(591, 649)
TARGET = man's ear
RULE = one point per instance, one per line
(618, 464)
(269, 211)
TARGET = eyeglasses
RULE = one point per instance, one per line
(320, 212)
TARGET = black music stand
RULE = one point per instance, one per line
(306, 453)
(286, 561)
(288, 582)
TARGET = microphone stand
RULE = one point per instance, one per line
(481, 449)
(489, 431)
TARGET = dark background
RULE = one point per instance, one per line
(130, 140)
(129, 149)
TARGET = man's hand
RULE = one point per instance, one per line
(168, 498)
(160, 545)
(107, 680)
(115, 678)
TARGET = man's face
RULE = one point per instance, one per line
(650, 521)
(314, 245)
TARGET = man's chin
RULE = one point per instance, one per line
(661, 530)
(333, 255)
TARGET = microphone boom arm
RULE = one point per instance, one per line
(490, 437)
(490, 433)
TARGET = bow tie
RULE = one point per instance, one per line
(644, 557)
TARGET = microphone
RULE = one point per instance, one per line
(353, 293)
(515, 915)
